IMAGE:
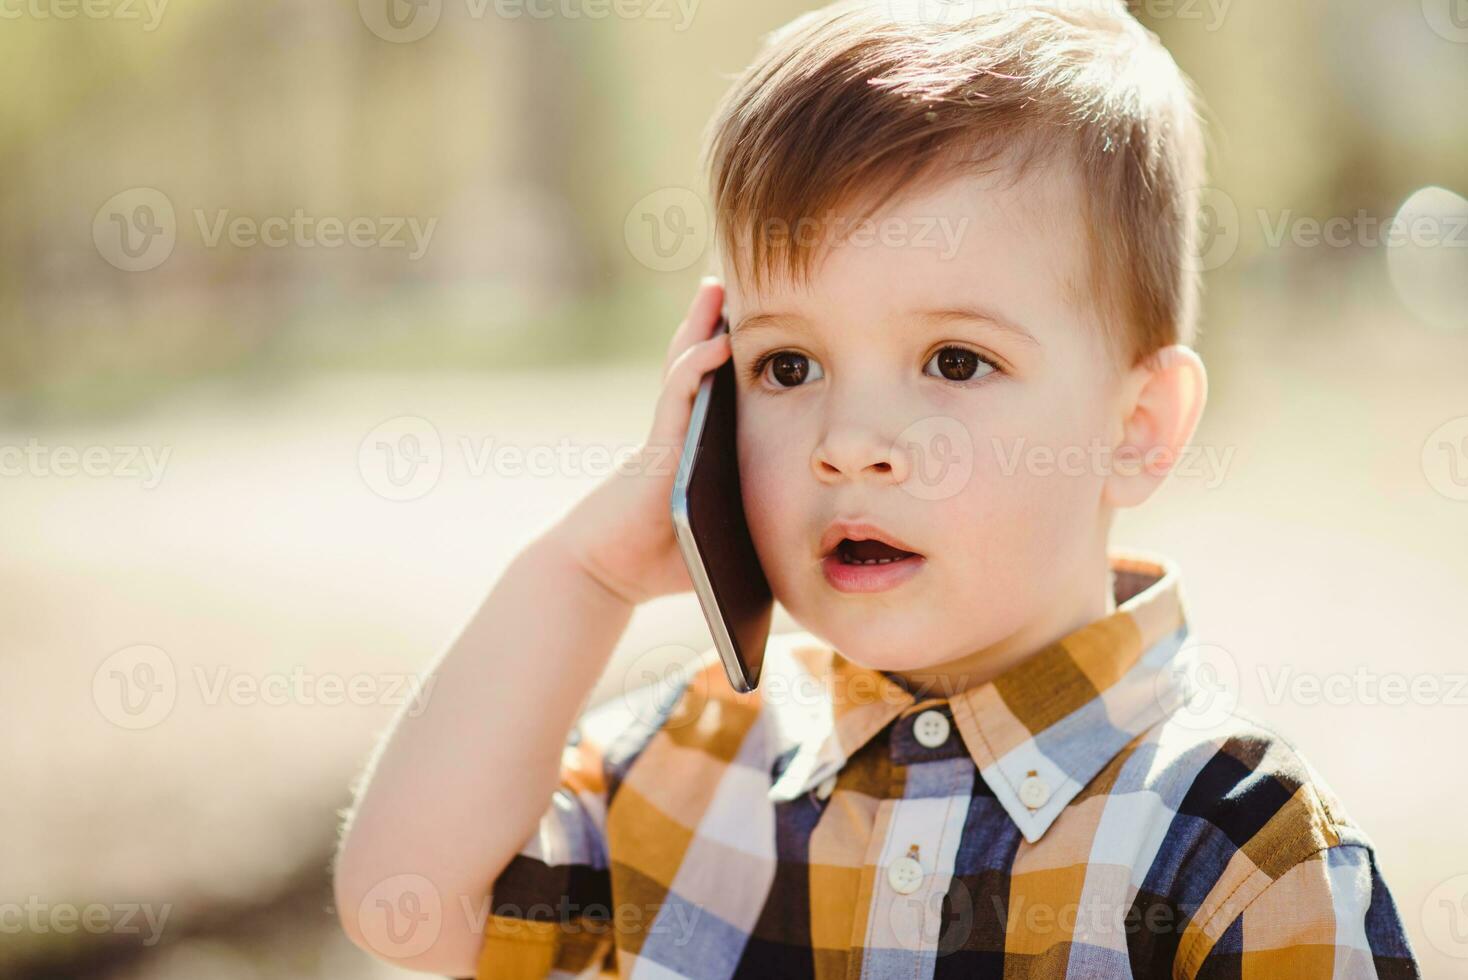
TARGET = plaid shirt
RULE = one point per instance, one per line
(1081, 815)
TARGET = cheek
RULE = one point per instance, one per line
(768, 469)
(755, 471)
(1032, 492)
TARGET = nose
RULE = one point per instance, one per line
(852, 449)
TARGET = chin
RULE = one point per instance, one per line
(888, 643)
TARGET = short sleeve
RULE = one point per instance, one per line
(1329, 916)
(550, 909)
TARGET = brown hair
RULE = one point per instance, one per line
(853, 102)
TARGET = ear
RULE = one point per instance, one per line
(1162, 402)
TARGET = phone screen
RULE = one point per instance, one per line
(708, 512)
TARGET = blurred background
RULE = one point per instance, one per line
(280, 278)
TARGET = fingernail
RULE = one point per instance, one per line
(708, 281)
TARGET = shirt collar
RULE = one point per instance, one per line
(1059, 715)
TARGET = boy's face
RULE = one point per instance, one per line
(878, 410)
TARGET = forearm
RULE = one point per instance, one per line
(456, 790)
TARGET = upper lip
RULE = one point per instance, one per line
(859, 531)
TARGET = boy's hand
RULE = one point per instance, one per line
(621, 533)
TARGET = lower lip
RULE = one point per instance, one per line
(870, 578)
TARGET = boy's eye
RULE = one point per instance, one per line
(958, 364)
(789, 369)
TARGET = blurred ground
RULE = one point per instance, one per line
(264, 551)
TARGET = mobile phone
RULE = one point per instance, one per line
(713, 534)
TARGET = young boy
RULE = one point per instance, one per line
(987, 753)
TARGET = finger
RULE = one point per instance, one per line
(698, 324)
(675, 404)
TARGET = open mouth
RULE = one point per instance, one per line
(869, 552)
(861, 557)
(866, 565)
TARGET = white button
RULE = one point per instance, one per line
(1033, 792)
(931, 728)
(826, 787)
(905, 875)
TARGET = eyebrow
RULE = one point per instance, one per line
(758, 321)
